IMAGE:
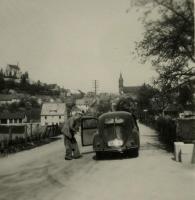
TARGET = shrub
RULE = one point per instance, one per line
(166, 128)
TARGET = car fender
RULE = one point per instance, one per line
(98, 142)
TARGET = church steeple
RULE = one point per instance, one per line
(120, 83)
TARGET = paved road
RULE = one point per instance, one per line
(43, 174)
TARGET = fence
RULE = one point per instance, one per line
(171, 130)
(14, 138)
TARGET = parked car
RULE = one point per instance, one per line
(111, 132)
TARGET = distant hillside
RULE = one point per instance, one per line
(13, 79)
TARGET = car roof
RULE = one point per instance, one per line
(122, 114)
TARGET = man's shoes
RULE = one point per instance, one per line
(77, 157)
(68, 158)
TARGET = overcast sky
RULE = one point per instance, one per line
(72, 42)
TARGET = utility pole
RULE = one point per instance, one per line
(95, 86)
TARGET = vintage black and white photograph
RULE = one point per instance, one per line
(97, 100)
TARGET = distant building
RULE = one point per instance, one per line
(130, 91)
(77, 94)
(13, 73)
(82, 104)
(53, 113)
(8, 99)
(90, 94)
(13, 118)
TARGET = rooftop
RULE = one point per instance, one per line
(53, 109)
(131, 89)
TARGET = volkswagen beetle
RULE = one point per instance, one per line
(111, 132)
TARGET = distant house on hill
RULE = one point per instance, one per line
(131, 91)
(12, 72)
(13, 118)
(53, 113)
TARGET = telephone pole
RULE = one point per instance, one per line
(95, 86)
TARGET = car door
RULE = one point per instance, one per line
(89, 127)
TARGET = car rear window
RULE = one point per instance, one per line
(114, 121)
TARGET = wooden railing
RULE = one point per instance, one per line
(15, 137)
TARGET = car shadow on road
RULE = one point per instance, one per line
(114, 156)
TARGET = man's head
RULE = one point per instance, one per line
(78, 116)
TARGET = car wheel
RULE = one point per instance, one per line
(135, 153)
(132, 153)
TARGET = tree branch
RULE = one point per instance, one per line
(189, 53)
(172, 9)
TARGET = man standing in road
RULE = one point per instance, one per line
(69, 130)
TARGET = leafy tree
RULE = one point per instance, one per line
(26, 75)
(103, 106)
(34, 103)
(22, 102)
(168, 39)
(185, 95)
(125, 104)
(13, 107)
(10, 84)
(2, 82)
(1, 73)
(145, 94)
(24, 82)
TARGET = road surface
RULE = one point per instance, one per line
(43, 174)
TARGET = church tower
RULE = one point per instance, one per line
(120, 84)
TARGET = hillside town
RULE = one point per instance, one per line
(101, 103)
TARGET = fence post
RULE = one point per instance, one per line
(177, 129)
(25, 133)
(31, 130)
(10, 134)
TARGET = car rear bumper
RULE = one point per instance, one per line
(115, 149)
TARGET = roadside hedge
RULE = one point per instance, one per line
(166, 128)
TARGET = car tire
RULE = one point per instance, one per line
(135, 153)
(132, 153)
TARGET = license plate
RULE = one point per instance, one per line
(116, 143)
